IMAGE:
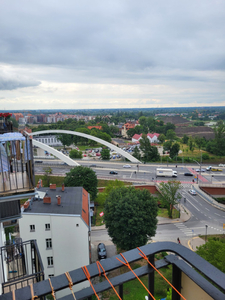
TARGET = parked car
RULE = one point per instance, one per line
(38, 161)
(198, 170)
(221, 165)
(126, 166)
(188, 174)
(92, 166)
(98, 154)
(113, 172)
(192, 192)
(216, 170)
(101, 249)
(208, 168)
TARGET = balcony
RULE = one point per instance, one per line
(20, 265)
(192, 276)
(16, 165)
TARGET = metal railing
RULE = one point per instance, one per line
(21, 264)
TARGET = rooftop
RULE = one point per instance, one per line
(71, 201)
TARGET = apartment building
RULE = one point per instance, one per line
(59, 220)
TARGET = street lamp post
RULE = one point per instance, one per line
(206, 226)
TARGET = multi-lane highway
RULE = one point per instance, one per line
(141, 172)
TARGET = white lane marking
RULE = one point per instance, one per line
(218, 214)
(206, 208)
(194, 205)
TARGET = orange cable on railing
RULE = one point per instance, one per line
(85, 270)
(32, 292)
(145, 257)
(53, 292)
(129, 267)
(70, 284)
(100, 266)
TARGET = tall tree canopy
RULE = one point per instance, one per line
(213, 251)
(85, 177)
(130, 217)
(150, 152)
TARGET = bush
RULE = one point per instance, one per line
(205, 156)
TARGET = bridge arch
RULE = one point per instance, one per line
(96, 139)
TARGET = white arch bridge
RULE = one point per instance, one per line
(68, 160)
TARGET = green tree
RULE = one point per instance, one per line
(169, 195)
(143, 121)
(167, 145)
(213, 251)
(137, 153)
(185, 139)
(85, 177)
(65, 139)
(161, 138)
(191, 144)
(47, 172)
(105, 154)
(174, 150)
(220, 138)
(131, 132)
(111, 184)
(150, 152)
(171, 135)
(75, 154)
(130, 217)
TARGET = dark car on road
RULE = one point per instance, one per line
(188, 174)
(101, 251)
(113, 172)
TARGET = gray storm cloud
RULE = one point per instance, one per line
(175, 43)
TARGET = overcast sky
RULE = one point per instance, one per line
(111, 54)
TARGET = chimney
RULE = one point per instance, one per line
(52, 186)
(47, 200)
(26, 204)
(63, 187)
(41, 183)
(59, 200)
(38, 185)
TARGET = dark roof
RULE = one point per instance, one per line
(71, 202)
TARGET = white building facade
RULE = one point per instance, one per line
(62, 230)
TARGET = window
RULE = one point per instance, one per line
(51, 275)
(50, 261)
(48, 243)
(32, 227)
(47, 226)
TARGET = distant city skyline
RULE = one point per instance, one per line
(119, 54)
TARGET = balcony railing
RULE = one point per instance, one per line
(16, 164)
(192, 276)
(20, 265)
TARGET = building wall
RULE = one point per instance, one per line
(49, 140)
(190, 290)
(70, 241)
